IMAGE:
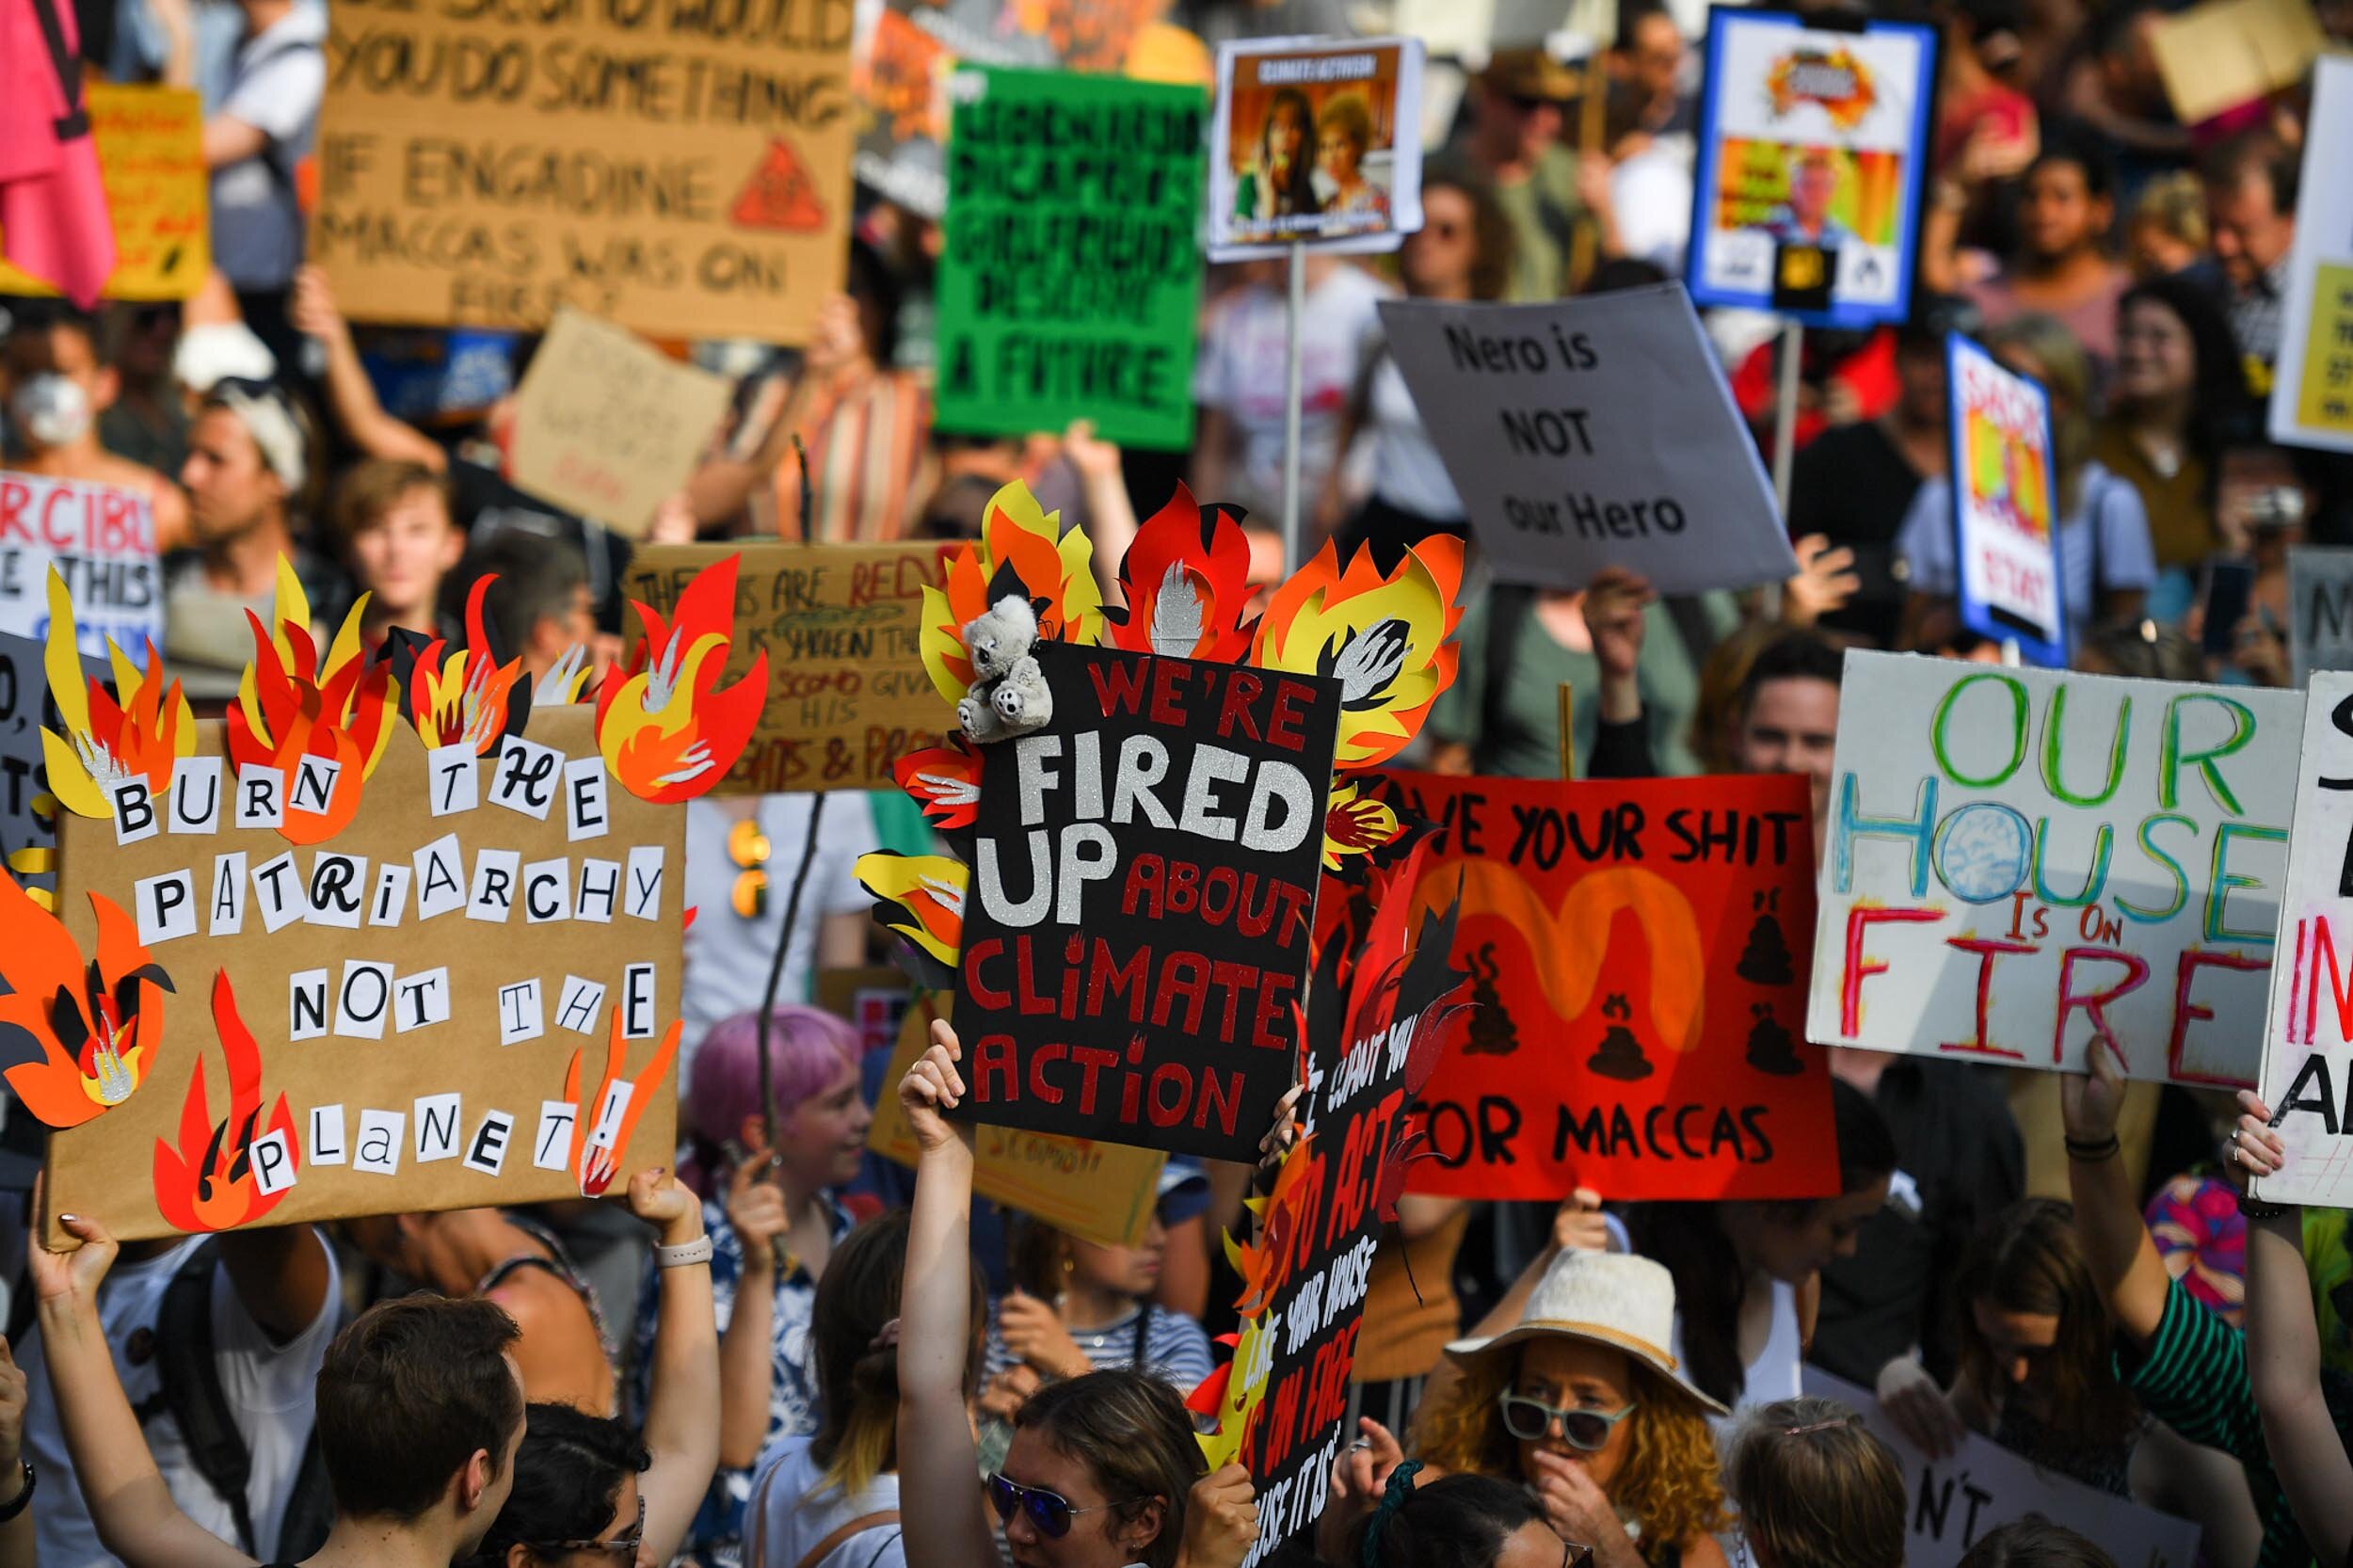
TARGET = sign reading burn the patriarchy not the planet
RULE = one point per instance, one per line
(2019, 860)
(1144, 883)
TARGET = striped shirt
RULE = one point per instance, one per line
(866, 447)
(1174, 1347)
(2193, 1378)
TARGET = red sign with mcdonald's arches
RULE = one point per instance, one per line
(1637, 953)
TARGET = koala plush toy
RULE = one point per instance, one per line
(1009, 694)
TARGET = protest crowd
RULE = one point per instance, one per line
(830, 1330)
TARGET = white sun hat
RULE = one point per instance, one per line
(1613, 1299)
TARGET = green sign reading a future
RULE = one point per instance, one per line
(1071, 274)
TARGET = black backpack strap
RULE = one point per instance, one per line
(309, 1506)
(190, 1378)
(1509, 605)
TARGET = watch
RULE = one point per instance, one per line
(15, 1505)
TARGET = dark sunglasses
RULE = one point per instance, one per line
(621, 1549)
(1050, 1512)
(1531, 1419)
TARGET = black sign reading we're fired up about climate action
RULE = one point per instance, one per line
(1144, 885)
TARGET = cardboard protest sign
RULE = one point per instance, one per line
(1069, 280)
(1384, 999)
(1951, 1504)
(609, 427)
(1593, 433)
(408, 1007)
(2006, 505)
(847, 695)
(1316, 142)
(1814, 147)
(2307, 1030)
(682, 170)
(872, 1000)
(2311, 386)
(150, 160)
(2320, 610)
(907, 49)
(1103, 1193)
(2020, 860)
(2226, 53)
(1143, 883)
(99, 539)
(1638, 954)
(26, 822)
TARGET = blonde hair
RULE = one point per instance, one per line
(1670, 1482)
(1815, 1487)
(1351, 117)
(2175, 204)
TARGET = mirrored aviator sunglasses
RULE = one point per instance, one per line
(747, 847)
(1530, 1420)
(1050, 1512)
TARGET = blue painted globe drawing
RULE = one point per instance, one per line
(1982, 852)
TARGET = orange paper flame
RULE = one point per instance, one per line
(81, 1037)
(208, 1183)
(1022, 552)
(596, 1165)
(667, 730)
(1385, 638)
(296, 702)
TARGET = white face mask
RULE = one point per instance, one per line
(51, 409)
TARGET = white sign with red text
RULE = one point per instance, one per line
(2015, 861)
(2005, 507)
(101, 540)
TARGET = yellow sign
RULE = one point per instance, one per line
(1099, 1192)
(150, 157)
(2324, 400)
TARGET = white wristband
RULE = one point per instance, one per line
(685, 1255)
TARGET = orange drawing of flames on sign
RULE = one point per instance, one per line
(93, 1028)
(1833, 79)
(212, 1181)
(602, 1123)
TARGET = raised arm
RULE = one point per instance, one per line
(836, 354)
(130, 1505)
(748, 1352)
(2283, 1352)
(350, 395)
(938, 1461)
(2123, 1260)
(684, 1384)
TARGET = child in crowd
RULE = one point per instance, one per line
(1815, 1488)
(392, 518)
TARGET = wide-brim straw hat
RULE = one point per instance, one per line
(1613, 1299)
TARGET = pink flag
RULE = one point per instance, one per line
(53, 207)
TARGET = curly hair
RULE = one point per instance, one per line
(1671, 1482)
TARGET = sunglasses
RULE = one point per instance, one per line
(621, 1549)
(748, 846)
(1531, 1419)
(1050, 1512)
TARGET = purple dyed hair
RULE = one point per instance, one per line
(806, 1050)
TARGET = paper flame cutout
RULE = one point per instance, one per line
(945, 780)
(81, 1037)
(208, 1183)
(1354, 825)
(1185, 578)
(462, 696)
(921, 898)
(1022, 552)
(667, 730)
(140, 732)
(296, 702)
(1382, 637)
(596, 1163)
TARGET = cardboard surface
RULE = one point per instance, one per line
(2311, 386)
(2225, 53)
(1272, 183)
(1143, 887)
(2019, 858)
(2308, 1028)
(847, 693)
(2006, 505)
(108, 1167)
(101, 541)
(1101, 1192)
(1593, 433)
(608, 426)
(1951, 1504)
(150, 160)
(685, 172)
(1814, 147)
(1637, 953)
(1070, 277)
